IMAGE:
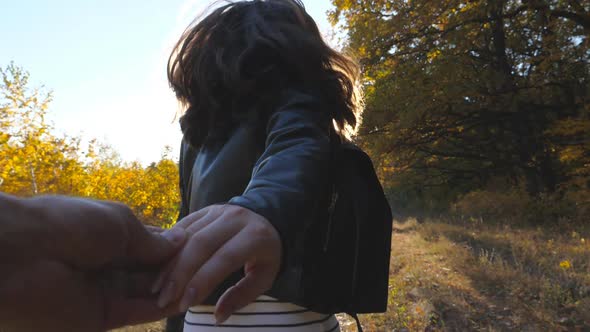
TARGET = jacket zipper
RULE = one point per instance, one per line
(330, 217)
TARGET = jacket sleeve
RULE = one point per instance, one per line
(183, 208)
(288, 178)
(185, 167)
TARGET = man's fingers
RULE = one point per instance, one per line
(128, 284)
(256, 282)
(125, 311)
(138, 284)
(147, 248)
(163, 275)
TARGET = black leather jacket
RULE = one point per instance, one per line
(280, 174)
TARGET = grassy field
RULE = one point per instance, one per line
(473, 277)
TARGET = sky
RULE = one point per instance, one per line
(105, 61)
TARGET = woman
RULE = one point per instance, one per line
(264, 95)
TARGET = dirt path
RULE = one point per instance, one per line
(440, 285)
(444, 294)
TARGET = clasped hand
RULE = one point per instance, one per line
(221, 240)
(71, 264)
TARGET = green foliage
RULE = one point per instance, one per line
(35, 161)
(459, 92)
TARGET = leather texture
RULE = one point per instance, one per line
(278, 170)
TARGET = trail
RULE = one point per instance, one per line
(441, 285)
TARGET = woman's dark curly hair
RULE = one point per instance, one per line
(244, 54)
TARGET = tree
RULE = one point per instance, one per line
(32, 159)
(462, 91)
(35, 161)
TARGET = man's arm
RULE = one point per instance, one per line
(28, 281)
(24, 234)
(54, 253)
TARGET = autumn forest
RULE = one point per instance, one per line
(34, 160)
(477, 118)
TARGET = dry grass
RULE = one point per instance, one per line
(486, 278)
(473, 277)
(153, 327)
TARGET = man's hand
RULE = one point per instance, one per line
(69, 264)
(222, 240)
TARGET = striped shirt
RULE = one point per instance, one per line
(265, 314)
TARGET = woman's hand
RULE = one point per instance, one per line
(221, 240)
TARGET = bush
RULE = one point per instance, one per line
(547, 208)
(578, 192)
(485, 204)
(515, 206)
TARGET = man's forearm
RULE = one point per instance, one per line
(54, 251)
(24, 231)
(32, 278)
(14, 220)
(19, 234)
(27, 238)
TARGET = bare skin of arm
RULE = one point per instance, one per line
(70, 264)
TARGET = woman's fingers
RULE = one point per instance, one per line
(154, 229)
(202, 222)
(191, 225)
(223, 240)
(258, 246)
(256, 281)
(209, 212)
(201, 218)
(198, 249)
(228, 259)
